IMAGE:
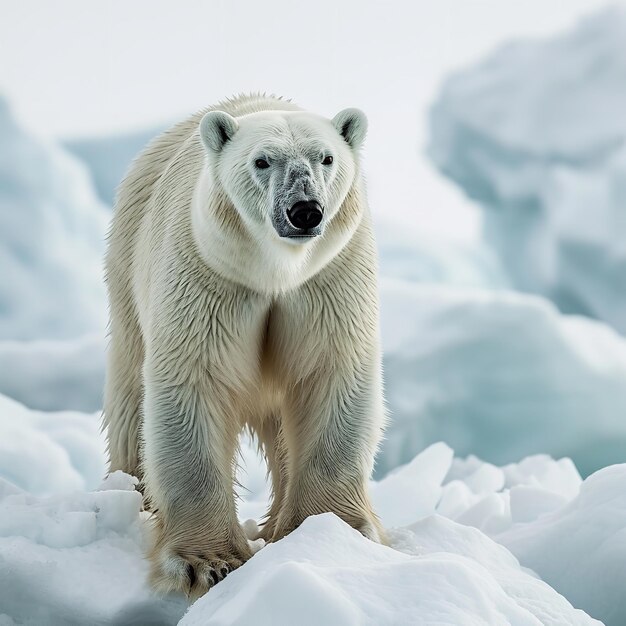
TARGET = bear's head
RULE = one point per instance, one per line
(287, 173)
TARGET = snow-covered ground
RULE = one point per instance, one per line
(49, 452)
(543, 152)
(457, 528)
(581, 548)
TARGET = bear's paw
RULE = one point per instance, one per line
(191, 574)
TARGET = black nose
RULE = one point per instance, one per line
(305, 214)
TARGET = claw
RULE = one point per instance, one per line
(214, 576)
(193, 574)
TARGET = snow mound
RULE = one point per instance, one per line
(327, 573)
(53, 375)
(473, 492)
(77, 558)
(400, 500)
(46, 453)
(536, 134)
(580, 549)
(499, 375)
(492, 498)
(51, 240)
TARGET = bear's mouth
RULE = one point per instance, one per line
(301, 237)
(306, 235)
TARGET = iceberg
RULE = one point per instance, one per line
(580, 549)
(107, 158)
(52, 240)
(535, 133)
(54, 375)
(501, 375)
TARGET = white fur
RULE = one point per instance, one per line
(218, 323)
(277, 264)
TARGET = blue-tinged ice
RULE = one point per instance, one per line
(537, 134)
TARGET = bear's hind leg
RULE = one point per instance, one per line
(123, 391)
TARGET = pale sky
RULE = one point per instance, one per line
(74, 67)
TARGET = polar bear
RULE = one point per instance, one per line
(242, 278)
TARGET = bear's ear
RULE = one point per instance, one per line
(216, 128)
(352, 126)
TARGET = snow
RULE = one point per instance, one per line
(53, 375)
(108, 157)
(543, 152)
(50, 453)
(51, 228)
(400, 498)
(327, 573)
(77, 557)
(501, 375)
(580, 544)
(411, 256)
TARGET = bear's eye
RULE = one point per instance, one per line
(327, 160)
(262, 164)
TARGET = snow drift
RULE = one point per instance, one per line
(327, 573)
(536, 134)
(581, 542)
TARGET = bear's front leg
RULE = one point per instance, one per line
(190, 438)
(332, 423)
